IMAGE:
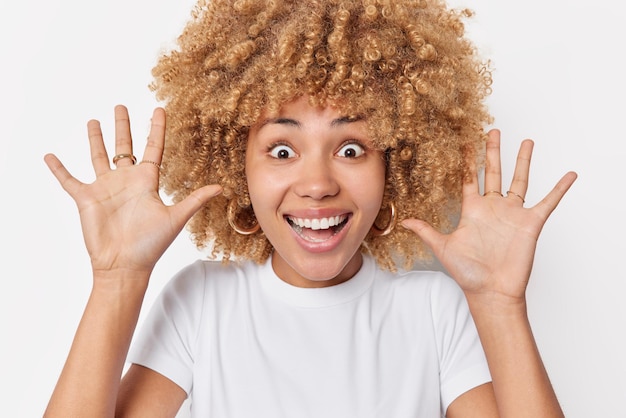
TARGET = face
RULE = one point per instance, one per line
(316, 186)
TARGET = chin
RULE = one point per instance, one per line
(316, 272)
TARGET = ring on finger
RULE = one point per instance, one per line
(515, 194)
(121, 156)
(492, 191)
(154, 163)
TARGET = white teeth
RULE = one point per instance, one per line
(321, 223)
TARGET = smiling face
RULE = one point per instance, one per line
(316, 186)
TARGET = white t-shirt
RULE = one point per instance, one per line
(245, 344)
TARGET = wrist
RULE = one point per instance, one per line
(496, 305)
(121, 280)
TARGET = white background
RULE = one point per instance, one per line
(559, 79)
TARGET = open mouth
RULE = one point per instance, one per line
(318, 230)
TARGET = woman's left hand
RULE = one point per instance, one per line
(492, 249)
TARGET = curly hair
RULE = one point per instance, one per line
(404, 65)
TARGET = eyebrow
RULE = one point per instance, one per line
(293, 122)
(345, 120)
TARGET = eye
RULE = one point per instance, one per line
(351, 150)
(281, 151)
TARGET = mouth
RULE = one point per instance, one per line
(318, 229)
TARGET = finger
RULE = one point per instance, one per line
(99, 156)
(425, 232)
(519, 184)
(153, 152)
(65, 179)
(552, 199)
(185, 209)
(493, 166)
(123, 140)
(470, 185)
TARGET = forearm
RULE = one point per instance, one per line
(89, 382)
(521, 383)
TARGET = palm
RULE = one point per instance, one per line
(493, 247)
(493, 235)
(125, 223)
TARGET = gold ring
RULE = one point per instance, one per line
(154, 163)
(492, 191)
(515, 194)
(120, 156)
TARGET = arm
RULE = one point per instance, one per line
(490, 255)
(126, 228)
(144, 392)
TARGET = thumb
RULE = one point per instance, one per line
(65, 179)
(186, 208)
(424, 231)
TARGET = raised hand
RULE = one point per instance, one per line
(492, 249)
(126, 225)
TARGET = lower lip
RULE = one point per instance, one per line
(324, 246)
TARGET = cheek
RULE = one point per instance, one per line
(253, 178)
(369, 188)
(255, 190)
(265, 192)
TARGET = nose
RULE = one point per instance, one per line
(316, 179)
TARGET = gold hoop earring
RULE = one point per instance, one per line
(378, 232)
(232, 221)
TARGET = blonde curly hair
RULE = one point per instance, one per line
(403, 65)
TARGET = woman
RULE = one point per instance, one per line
(299, 135)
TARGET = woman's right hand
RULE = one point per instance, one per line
(126, 225)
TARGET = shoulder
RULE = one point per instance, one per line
(431, 293)
(202, 288)
(434, 283)
(210, 277)
(204, 272)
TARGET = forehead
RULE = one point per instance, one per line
(299, 111)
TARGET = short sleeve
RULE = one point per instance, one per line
(165, 342)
